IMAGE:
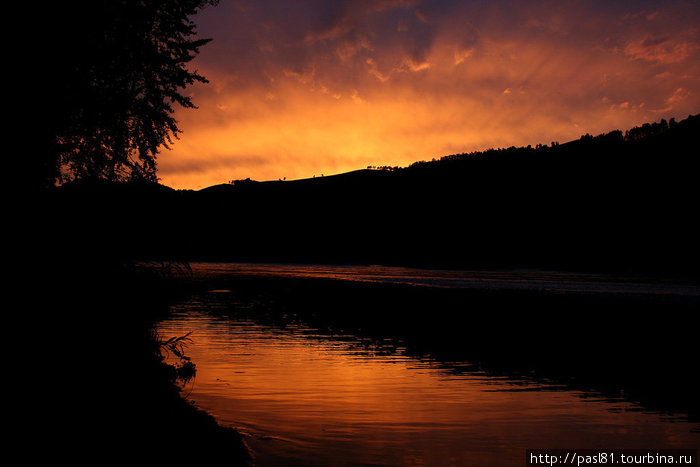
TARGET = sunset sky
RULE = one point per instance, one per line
(309, 87)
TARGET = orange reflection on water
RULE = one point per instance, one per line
(317, 400)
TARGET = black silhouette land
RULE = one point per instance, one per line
(611, 203)
(103, 80)
(614, 205)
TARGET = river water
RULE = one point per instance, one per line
(304, 397)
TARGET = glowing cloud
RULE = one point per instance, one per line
(310, 87)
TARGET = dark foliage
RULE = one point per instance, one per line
(600, 203)
(111, 73)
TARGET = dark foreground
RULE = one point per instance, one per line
(97, 390)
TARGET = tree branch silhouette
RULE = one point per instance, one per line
(115, 72)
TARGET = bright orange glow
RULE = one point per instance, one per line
(315, 399)
(396, 82)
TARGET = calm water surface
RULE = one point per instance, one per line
(496, 280)
(303, 398)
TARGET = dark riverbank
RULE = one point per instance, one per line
(603, 204)
(97, 385)
(101, 373)
(632, 347)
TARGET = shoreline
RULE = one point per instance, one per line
(102, 383)
(126, 402)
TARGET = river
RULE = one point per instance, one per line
(302, 396)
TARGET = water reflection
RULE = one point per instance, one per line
(522, 280)
(310, 399)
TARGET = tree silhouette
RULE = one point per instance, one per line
(114, 69)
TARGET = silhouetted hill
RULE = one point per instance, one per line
(611, 202)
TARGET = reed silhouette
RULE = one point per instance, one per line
(93, 371)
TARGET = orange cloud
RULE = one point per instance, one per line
(662, 50)
(367, 83)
